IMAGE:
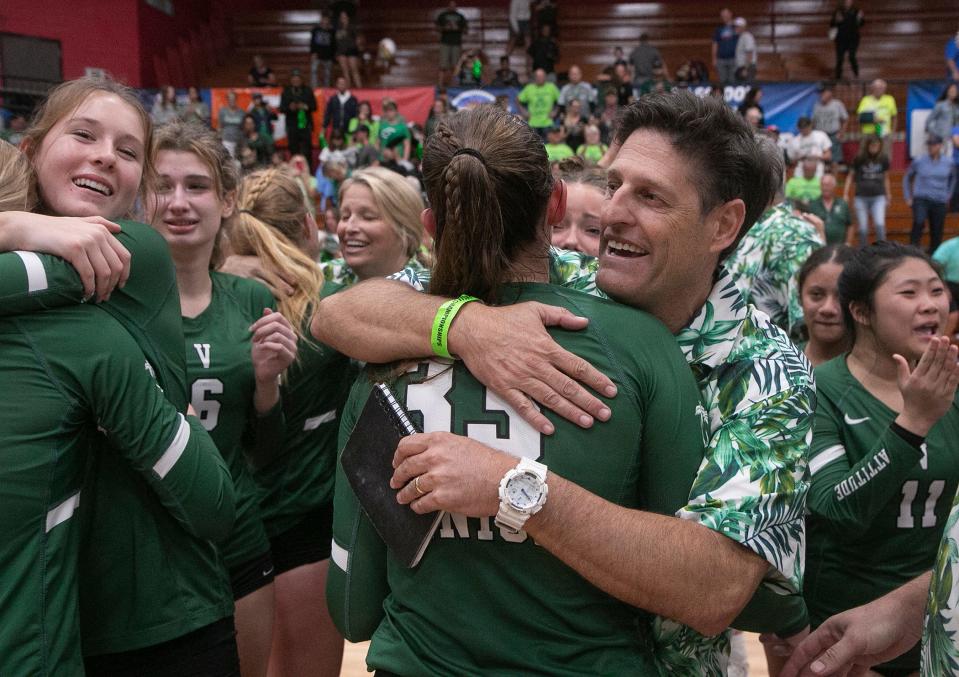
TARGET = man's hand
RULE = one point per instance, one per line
(509, 350)
(443, 471)
(86, 242)
(281, 285)
(851, 642)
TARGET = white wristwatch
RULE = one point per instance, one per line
(522, 492)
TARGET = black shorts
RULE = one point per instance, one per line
(207, 652)
(252, 575)
(306, 542)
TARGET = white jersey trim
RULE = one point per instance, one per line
(339, 555)
(317, 421)
(825, 457)
(63, 512)
(174, 451)
(36, 275)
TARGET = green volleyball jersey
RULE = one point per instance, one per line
(300, 479)
(483, 601)
(73, 370)
(220, 369)
(878, 504)
(144, 579)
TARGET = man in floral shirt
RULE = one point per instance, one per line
(687, 183)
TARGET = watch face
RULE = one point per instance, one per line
(524, 491)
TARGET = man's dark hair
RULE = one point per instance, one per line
(803, 122)
(727, 160)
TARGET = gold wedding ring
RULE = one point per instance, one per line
(416, 485)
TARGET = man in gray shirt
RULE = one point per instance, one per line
(643, 59)
(829, 115)
(746, 56)
(577, 89)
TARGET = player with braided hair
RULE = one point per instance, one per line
(484, 598)
(237, 348)
(274, 238)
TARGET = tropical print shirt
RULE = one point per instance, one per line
(766, 263)
(940, 635)
(759, 395)
(339, 272)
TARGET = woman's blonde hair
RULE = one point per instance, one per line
(66, 97)
(16, 180)
(271, 210)
(192, 137)
(399, 203)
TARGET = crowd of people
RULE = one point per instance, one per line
(669, 386)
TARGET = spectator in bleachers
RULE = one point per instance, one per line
(255, 149)
(746, 54)
(322, 51)
(577, 89)
(574, 121)
(165, 108)
(544, 14)
(618, 58)
(505, 76)
(927, 187)
(557, 149)
(810, 142)
(945, 116)
(870, 179)
(877, 113)
(439, 111)
(724, 48)
(262, 114)
(452, 25)
(539, 99)
(364, 116)
(364, 152)
(341, 108)
(298, 104)
(607, 116)
(389, 160)
(230, 123)
(593, 149)
(834, 212)
(844, 26)
(691, 72)
(829, 116)
(805, 187)
(469, 68)
(952, 57)
(754, 116)
(642, 60)
(519, 16)
(752, 99)
(195, 108)
(658, 83)
(261, 75)
(947, 256)
(347, 50)
(335, 150)
(623, 85)
(394, 132)
(13, 132)
(544, 52)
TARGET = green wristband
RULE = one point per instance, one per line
(443, 320)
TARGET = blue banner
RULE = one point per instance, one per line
(921, 97)
(783, 103)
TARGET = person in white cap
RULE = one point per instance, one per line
(746, 55)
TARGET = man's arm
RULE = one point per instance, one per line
(385, 320)
(864, 636)
(651, 561)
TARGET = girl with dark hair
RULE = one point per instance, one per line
(347, 50)
(237, 347)
(493, 204)
(870, 179)
(364, 116)
(884, 461)
(819, 296)
(751, 100)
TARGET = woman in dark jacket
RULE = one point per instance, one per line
(846, 22)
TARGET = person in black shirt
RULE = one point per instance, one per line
(322, 42)
(846, 22)
(544, 51)
(261, 75)
(340, 108)
(505, 76)
(451, 25)
(298, 104)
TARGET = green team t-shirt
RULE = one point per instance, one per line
(558, 151)
(144, 579)
(878, 504)
(220, 368)
(539, 101)
(393, 133)
(75, 369)
(592, 152)
(483, 601)
(300, 479)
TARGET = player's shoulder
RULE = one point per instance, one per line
(249, 293)
(143, 241)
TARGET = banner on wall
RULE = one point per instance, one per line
(463, 97)
(921, 98)
(783, 103)
(413, 103)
